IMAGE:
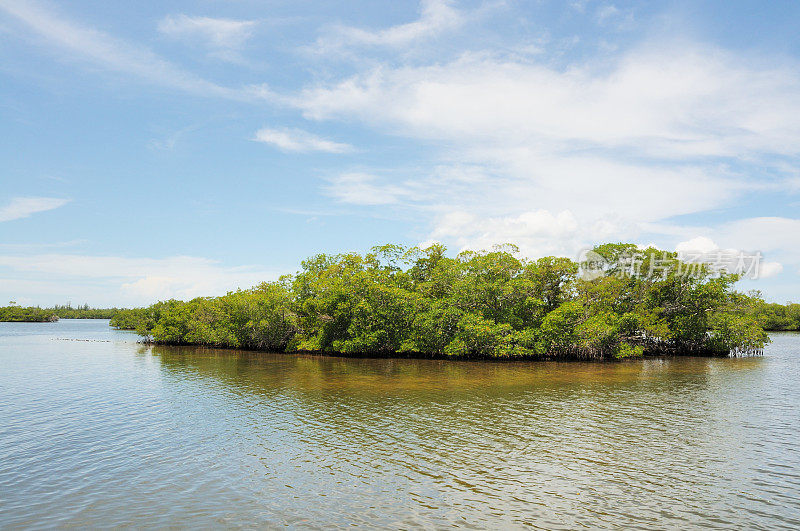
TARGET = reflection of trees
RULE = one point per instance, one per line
(395, 375)
(440, 398)
(468, 438)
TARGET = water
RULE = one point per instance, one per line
(105, 432)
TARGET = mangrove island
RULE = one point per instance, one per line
(397, 301)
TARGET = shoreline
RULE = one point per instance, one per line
(445, 357)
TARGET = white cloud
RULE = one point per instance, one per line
(299, 140)
(609, 13)
(669, 103)
(766, 234)
(700, 244)
(364, 189)
(30, 247)
(777, 239)
(432, 190)
(218, 32)
(536, 233)
(706, 246)
(505, 200)
(222, 36)
(23, 207)
(579, 5)
(606, 11)
(436, 18)
(770, 269)
(622, 144)
(113, 54)
(120, 280)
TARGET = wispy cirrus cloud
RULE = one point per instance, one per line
(23, 207)
(436, 18)
(609, 14)
(219, 32)
(363, 189)
(300, 141)
(114, 54)
(223, 37)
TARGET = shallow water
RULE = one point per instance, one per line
(97, 430)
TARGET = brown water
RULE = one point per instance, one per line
(108, 432)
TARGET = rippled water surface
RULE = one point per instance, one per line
(97, 430)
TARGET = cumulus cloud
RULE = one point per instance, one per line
(641, 137)
(299, 141)
(770, 269)
(669, 102)
(707, 248)
(775, 234)
(548, 153)
(606, 200)
(23, 207)
(700, 244)
(537, 232)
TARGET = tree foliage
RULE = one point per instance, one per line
(66, 311)
(490, 304)
(14, 313)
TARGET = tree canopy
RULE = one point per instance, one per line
(14, 313)
(488, 304)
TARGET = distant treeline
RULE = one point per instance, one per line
(84, 312)
(30, 314)
(397, 301)
(37, 314)
(778, 316)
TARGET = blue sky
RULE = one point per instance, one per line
(178, 149)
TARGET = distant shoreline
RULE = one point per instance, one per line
(35, 314)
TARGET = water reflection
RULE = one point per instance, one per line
(551, 444)
(164, 435)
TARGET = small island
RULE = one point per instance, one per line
(31, 314)
(416, 302)
(35, 314)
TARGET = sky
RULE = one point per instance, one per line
(153, 150)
